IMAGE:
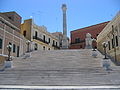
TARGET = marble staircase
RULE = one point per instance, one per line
(60, 67)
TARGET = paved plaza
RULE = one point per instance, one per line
(60, 67)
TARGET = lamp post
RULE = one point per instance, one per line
(106, 61)
(9, 48)
(28, 45)
(105, 46)
(8, 62)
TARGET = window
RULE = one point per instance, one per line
(77, 40)
(43, 47)
(24, 33)
(49, 40)
(53, 42)
(44, 38)
(116, 38)
(18, 51)
(112, 43)
(36, 34)
(0, 43)
(56, 43)
(109, 45)
(60, 44)
(14, 48)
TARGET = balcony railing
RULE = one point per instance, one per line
(37, 38)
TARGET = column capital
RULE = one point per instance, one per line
(64, 7)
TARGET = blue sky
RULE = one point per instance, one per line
(80, 13)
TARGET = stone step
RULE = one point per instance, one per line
(59, 67)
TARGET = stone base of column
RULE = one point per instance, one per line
(65, 43)
(64, 47)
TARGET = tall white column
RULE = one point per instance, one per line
(64, 41)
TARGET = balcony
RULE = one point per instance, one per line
(37, 38)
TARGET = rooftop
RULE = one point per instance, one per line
(90, 26)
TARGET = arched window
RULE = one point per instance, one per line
(116, 39)
(43, 47)
(112, 43)
(24, 33)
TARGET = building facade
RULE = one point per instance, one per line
(78, 36)
(111, 35)
(39, 37)
(59, 35)
(10, 23)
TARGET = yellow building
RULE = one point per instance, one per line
(111, 35)
(39, 37)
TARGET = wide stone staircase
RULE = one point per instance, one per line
(60, 67)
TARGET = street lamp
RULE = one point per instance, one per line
(9, 48)
(105, 46)
(28, 45)
(106, 61)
